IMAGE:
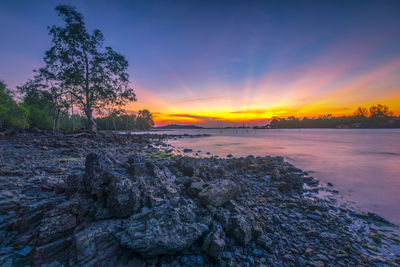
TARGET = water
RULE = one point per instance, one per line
(363, 164)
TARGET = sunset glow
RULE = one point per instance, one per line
(228, 65)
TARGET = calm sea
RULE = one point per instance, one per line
(362, 164)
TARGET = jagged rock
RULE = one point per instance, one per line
(96, 244)
(74, 183)
(214, 242)
(223, 216)
(162, 230)
(129, 210)
(219, 193)
(123, 196)
(96, 175)
(56, 251)
(58, 223)
(137, 165)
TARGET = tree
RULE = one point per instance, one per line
(144, 120)
(361, 112)
(95, 76)
(380, 111)
(11, 114)
(44, 96)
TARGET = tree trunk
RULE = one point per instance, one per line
(56, 119)
(72, 115)
(91, 123)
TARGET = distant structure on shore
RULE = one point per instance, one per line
(268, 126)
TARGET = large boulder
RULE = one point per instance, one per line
(161, 231)
(217, 194)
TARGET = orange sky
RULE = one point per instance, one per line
(309, 90)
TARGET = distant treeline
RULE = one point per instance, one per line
(36, 109)
(378, 116)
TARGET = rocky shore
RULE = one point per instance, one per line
(126, 200)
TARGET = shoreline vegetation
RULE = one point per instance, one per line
(115, 199)
(82, 85)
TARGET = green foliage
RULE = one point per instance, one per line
(125, 122)
(39, 105)
(11, 114)
(117, 122)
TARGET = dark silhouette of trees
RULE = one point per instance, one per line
(379, 116)
(93, 76)
(380, 111)
(361, 112)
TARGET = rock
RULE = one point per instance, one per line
(276, 175)
(316, 263)
(58, 223)
(187, 150)
(219, 193)
(34, 130)
(54, 251)
(196, 186)
(241, 230)
(25, 251)
(137, 165)
(257, 229)
(123, 196)
(96, 244)
(309, 180)
(186, 165)
(265, 242)
(192, 260)
(214, 242)
(309, 251)
(75, 183)
(290, 182)
(96, 174)
(162, 230)
(127, 210)
(257, 252)
(313, 217)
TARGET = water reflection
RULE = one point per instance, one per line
(364, 165)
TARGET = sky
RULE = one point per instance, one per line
(228, 63)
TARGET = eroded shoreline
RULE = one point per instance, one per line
(141, 205)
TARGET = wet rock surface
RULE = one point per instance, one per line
(121, 201)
